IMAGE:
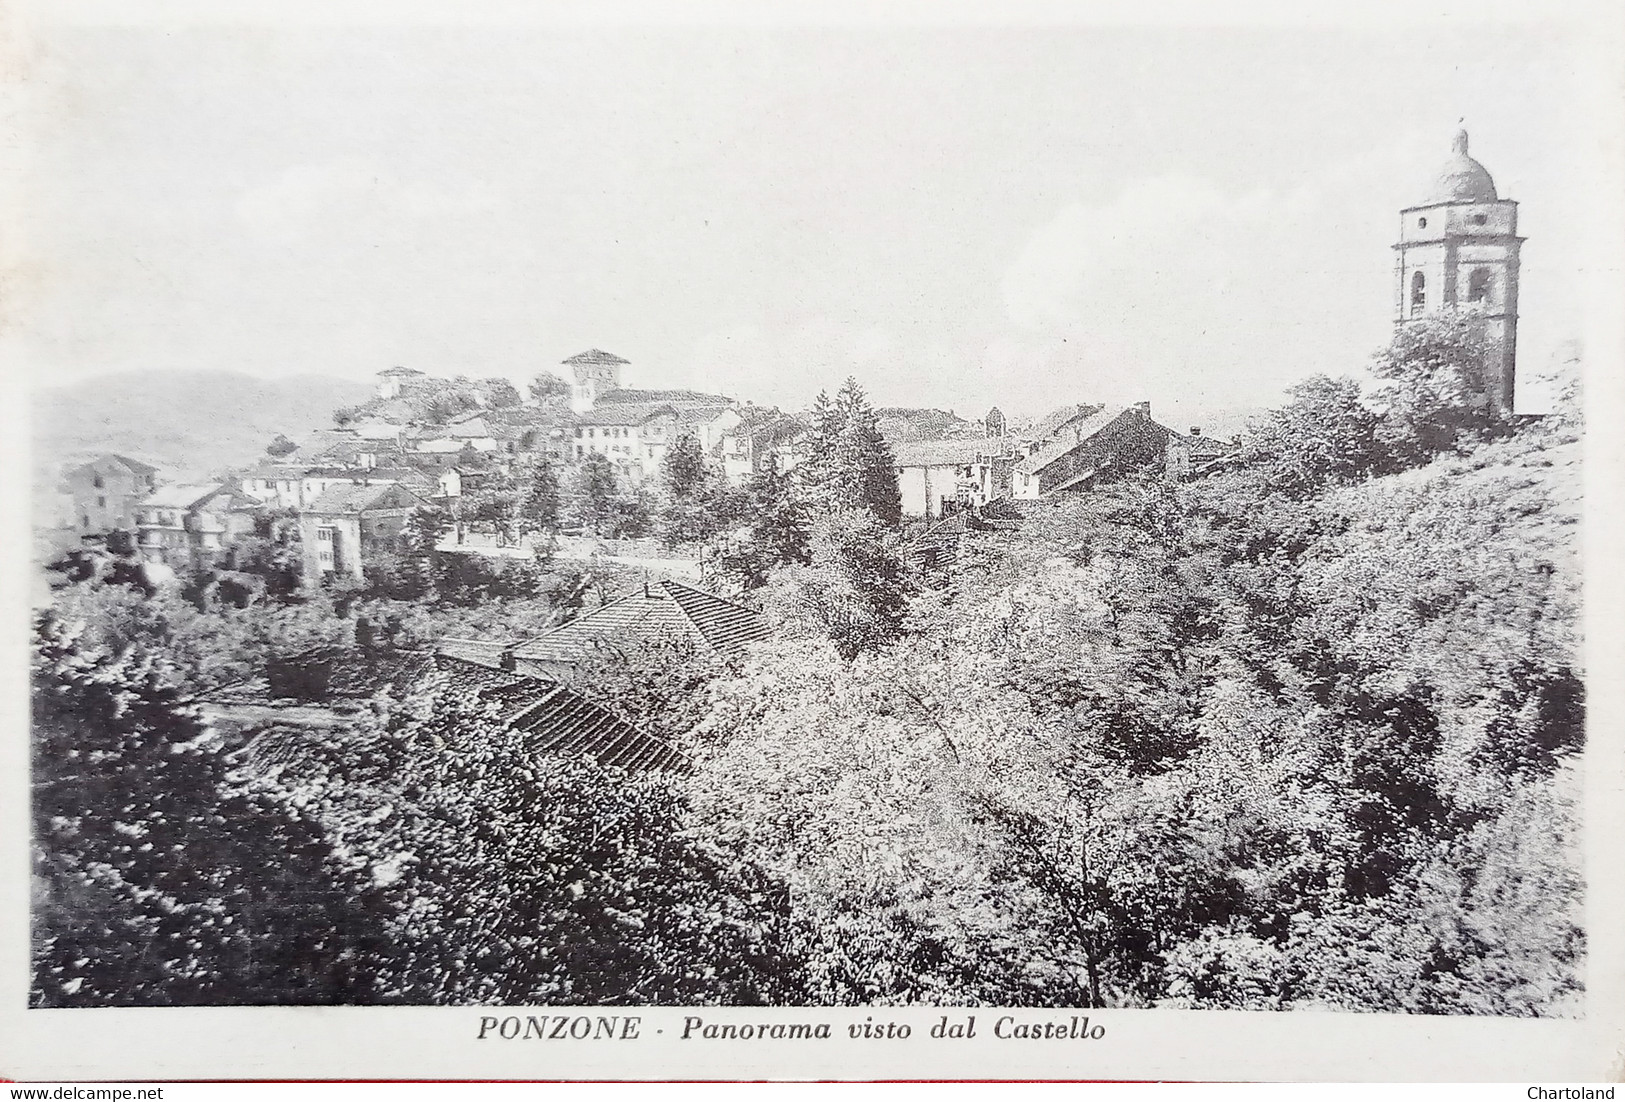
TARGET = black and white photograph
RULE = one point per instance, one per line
(989, 525)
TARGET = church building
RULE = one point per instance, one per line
(1458, 250)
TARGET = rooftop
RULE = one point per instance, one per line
(346, 498)
(1461, 179)
(595, 356)
(624, 414)
(680, 397)
(182, 495)
(945, 453)
(667, 611)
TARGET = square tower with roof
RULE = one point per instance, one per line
(596, 373)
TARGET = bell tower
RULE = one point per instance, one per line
(1458, 252)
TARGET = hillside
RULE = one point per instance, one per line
(190, 424)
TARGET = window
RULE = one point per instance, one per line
(101, 502)
(99, 482)
(1479, 219)
(1421, 223)
(325, 535)
(1419, 292)
(1480, 286)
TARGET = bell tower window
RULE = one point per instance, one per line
(1419, 292)
(1481, 286)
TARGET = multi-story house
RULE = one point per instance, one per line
(351, 524)
(106, 490)
(178, 523)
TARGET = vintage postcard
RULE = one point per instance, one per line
(859, 542)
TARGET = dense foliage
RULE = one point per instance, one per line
(1303, 733)
(157, 880)
(1210, 746)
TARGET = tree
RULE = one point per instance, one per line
(547, 386)
(282, 446)
(1325, 433)
(500, 393)
(344, 415)
(855, 591)
(160, 883)
(849, 464)
(591, 503)
(696, 504)
(419, 557)
(780, 526)
(539, 503)
(863, 453)
(515, 875)
(1438, 387)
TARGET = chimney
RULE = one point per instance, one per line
(1143, 407)
(1196, 430)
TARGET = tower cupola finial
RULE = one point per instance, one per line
(1460, 144)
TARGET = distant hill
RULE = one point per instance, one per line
(189, 424)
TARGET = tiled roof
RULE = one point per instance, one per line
(561, 722)
(181, 495)
(135, 466)
(631, 414)
(944, 453)
(668, 611)
(621, 397)
(1074, 434)
(595, 356)
(1057, 419)
(400, 371)
(351, 497)
(478, 652)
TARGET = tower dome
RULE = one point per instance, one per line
(1462, 179)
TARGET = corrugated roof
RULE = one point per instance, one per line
(668, 611)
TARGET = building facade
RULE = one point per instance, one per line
(176, 524)
(596, 373)
(1458, 251)
(350, 525)
(106, 491)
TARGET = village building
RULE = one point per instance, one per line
(596, 372)
(350, 524)
(175, 524)
(746, 446)
(396, 381)
(106, 491)
(1093, 449)
(632, 436)
(667, 612)
(296, 485)
(1192, 454)
(1458, 250)
(937, 477)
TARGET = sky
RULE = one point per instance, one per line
(957, 216)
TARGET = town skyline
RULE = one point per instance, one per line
(753, 229)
